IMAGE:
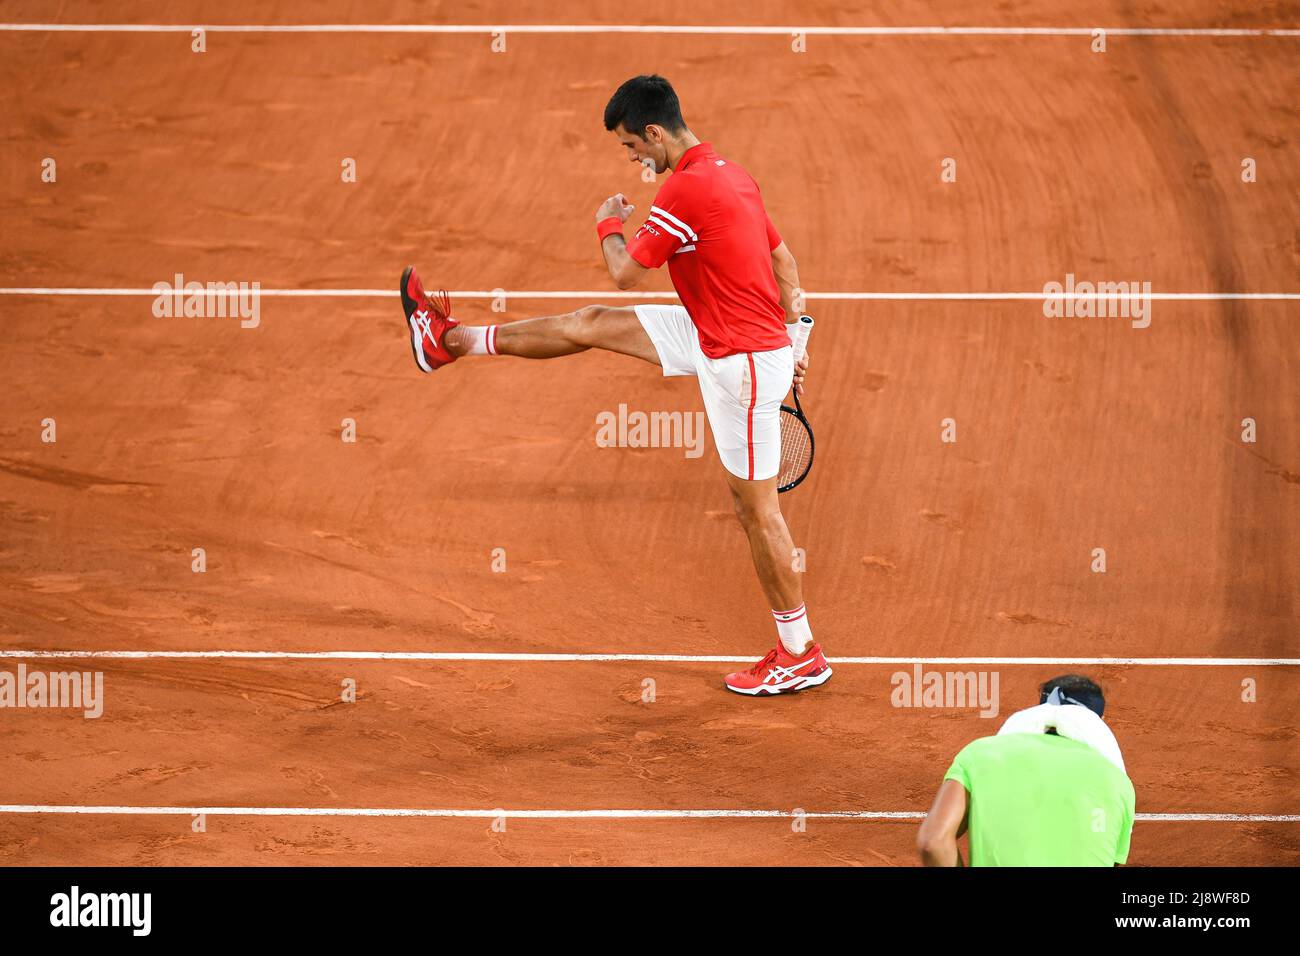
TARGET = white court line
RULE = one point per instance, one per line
(657, 658)
(654, 29)
(603, 294)
(583, 814)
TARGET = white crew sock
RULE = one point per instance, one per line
(793, 630)
(482, 339)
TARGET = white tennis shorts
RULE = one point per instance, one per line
(742, 392)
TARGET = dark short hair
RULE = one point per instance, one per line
(1075, 689)
(644, 100)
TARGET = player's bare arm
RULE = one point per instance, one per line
(623, 269)
(937, 839)
(786, 271)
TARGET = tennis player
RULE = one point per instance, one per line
(1049, 789)
(736, 279)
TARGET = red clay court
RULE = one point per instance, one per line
(481, 691)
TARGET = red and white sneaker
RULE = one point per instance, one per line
(429, 318)
(782, 673)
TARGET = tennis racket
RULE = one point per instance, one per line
(796, 433)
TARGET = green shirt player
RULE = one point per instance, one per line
(1036, 799)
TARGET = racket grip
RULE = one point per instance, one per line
(799, 333)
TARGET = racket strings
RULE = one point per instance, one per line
(796, 449)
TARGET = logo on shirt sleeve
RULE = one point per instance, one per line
(674, 226)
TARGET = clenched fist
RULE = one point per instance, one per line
(615, 205)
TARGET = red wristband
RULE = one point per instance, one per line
(609, 226)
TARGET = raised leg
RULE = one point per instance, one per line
(591, 327)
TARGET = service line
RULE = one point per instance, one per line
(579, 814)
(599, 294)
(657, 658)
(653, 29)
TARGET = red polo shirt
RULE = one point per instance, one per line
(708, 223)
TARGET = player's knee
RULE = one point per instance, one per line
(738, 505)
(584, 325)
(754, 514)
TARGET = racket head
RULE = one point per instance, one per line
(797, 448)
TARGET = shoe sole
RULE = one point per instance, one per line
(792, 686)
(409, 306)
